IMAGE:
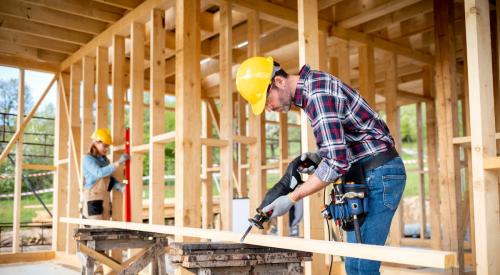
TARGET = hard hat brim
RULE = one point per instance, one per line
(258, 107)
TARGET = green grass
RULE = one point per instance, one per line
(27, 214)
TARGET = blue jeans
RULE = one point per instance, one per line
(386, 184)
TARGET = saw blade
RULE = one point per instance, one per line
(246, 233)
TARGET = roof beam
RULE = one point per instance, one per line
(376, 12)
(41, 30)
(25, 63)
(30, 53)
(37, 42)
(397, 16)
(288, 17)
(124, 4)
(323, 4)
(51, 17)
(121, 27)
(82, 8)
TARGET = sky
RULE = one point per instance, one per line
(36, 81)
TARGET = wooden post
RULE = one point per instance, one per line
(226, 118)
(483, 143)
(87, 103)
(283, 221)
(256, 188)
(367, 74)
(242, 148)
(447, 122)
(61, 175)
(118, 126)
(309, 54)
(18, 178)
(74, 161)
(157, 119)
(392, 119)
(102, 80)
(341, 53)
(421, 174)
(136, 118)
(432, 163)
(187, 122)
(207, 214)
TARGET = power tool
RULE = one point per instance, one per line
(290, 180)
(349, 202)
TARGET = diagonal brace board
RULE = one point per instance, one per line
(410, 256)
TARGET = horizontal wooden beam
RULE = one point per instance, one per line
(245, 139)
(466, 140)
(164, 138)
(29, 64)
(492, 163)
(10, 258)
(213, 142)
(288, 17)
(141, 149)
(42, 167)
(418, 257)
(87, 9)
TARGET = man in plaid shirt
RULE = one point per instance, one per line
(347, 131)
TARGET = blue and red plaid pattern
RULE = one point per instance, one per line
(346, 128)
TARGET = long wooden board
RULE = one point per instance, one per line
(410, 256)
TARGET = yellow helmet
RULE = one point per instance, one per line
(252, 80)
(102, 134)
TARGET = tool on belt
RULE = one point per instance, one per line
(349, 197)
(290, 180)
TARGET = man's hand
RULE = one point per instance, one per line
(280, 206)
(309, 162)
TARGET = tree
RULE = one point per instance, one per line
(8, 96)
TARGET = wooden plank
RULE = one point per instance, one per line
(244, 139)
(120, 27)
(156, 118)
(188, 123)
(117, 127)
(20, 130)
(18, 170)
(51, 17)
(432, 161)
(367, 74)
(465, 140)
(392, 120)
(207, 211)
(482, 113)
(447, 123)
(37, 42)
(104, 259)
(87, 104)
(61, 175)
(309, 54)
(28, 64)
(42, 167)
(213, 142)
(255, 189)
(136, 118)
(242, 148)
(164, 138)
(25, 257)
(226, 119)
(102, 81)
(421, 178)
(283, 221)
(411, 256)
(81, 8)
(343, 62)
(74, 178)
(376, 12)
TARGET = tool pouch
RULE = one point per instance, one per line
(355, 181)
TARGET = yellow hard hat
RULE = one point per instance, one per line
(252, 79)
(102, 134)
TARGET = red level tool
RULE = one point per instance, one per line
(128, 211)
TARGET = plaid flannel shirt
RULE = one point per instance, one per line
(346, 128)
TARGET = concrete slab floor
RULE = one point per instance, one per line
(45, 268)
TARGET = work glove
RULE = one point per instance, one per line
(309, 161)
(279, 206)
(123, 158)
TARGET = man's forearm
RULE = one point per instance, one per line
(311, 186)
